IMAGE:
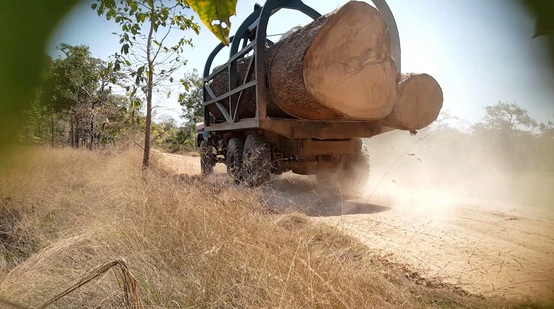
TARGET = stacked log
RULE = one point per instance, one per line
(340, 66)
(419, 102)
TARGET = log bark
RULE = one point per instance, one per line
(337, 67)
(419, 103)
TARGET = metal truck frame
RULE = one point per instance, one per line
(254, 148)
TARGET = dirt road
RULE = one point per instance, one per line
(485, 247)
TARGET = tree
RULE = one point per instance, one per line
(506, 130)
(71, 87)
(147, 57)
(547, 129)
(167, 122)
(74, 89)
(508, 117)
(43, 105)
(118, 117)
(192, 100)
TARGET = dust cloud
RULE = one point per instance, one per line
(431, 174)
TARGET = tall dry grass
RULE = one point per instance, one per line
(188, 242)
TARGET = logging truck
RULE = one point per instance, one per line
(304, 104)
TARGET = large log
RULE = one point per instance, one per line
(337, 67)
(419, 103)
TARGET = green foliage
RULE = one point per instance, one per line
(142, 53)
(42, 126)
(72, 79)
(75, 104)
(22, 60)
(215, 14)
(192, 100)
(172, 138)
(117, 119)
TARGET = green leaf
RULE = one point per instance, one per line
(139, 74)
(215, 13)
(141, 17)
(136, 103)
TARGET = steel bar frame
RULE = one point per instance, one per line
(254, 29)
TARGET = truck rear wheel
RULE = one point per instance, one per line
(234, 158)
(256, 167)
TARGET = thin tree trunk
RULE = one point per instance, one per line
(150, 86)
(40, 128)
(92, 126)
(77, 132)
(72, 132)
(52, 126)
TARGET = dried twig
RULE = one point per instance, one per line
(125, 279)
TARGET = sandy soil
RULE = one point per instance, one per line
(485, 247)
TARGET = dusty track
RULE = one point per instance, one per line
(487, 248)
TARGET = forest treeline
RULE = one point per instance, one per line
(84, 103)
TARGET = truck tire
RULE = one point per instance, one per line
(207, 158)
(256, 166)
(233, 158)
(354, 174)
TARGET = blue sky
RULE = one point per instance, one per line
(480, 51)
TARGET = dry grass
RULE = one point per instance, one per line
(188, 242)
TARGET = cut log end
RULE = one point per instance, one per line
(420, 100)
(348, 67)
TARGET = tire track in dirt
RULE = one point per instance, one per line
(485, 253)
